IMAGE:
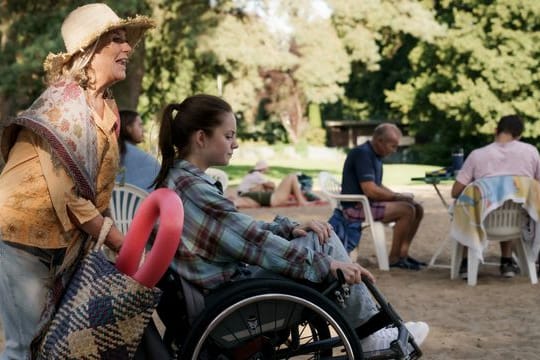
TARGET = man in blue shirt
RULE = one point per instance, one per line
(362, 174)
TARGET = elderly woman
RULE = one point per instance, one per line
(61, 160)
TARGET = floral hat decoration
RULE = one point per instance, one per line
(84, 25)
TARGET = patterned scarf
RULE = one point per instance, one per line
(62, 117)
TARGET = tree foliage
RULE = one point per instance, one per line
(485, 67)
(378, 34)
(447, 69)
(229, 41)
(29, 30)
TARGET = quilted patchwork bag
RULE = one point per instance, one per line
(102, 315)
(103, 312)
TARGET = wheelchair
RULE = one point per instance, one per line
(272, 318)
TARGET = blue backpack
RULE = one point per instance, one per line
(348, 231)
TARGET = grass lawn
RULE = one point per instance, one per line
(286, 160)
(401, 174)
(394, 174)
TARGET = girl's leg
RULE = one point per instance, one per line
(289, 185)
(360, 306)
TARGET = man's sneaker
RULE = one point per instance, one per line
(381, 339)
(463, 269)
(509, 269)
(417, 262)
(403, 263)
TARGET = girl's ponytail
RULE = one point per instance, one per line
(166, 144)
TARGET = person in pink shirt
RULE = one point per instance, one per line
(505, 156)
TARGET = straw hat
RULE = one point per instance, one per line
(85, 24)
(261, 165)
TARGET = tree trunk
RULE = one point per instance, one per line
(292, 118)
(6, 110)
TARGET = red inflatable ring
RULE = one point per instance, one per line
(164, 202)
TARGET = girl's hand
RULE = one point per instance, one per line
(321, 228)
(352, 271)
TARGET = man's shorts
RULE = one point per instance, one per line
(357, 212)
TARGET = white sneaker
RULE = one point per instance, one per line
(381, 339)
(419, 330)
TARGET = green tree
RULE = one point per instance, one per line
(173, 69)
(485, 67)
(29, 31)
(199, 46)
(377, 34)
(320, 69)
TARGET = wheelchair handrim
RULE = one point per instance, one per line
(276, 297)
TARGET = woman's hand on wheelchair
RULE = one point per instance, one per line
(321, 228)
(351, 271)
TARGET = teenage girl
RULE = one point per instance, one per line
(217, 239)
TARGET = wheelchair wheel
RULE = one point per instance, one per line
(270, 319)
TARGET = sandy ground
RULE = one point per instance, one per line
(497, 319)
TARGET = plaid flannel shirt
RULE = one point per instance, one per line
(217, 238)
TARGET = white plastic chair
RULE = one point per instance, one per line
(125, 201)
(220, 176)
(502, 224)
(331, 188)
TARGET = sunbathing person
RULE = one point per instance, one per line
(256, 190)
